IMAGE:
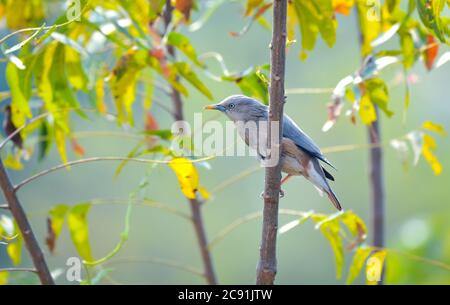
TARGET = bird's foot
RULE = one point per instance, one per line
(281, 194)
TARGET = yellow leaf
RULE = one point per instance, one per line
(438, 128)
(429, 144)
(354, 223)
(3, 277)
(367, 110)
(100, 95)
(291, 22)
(75, 73)
(369, 23)
(203, 192)
(331, 231)
(187, 176)
(359, 259)
(79, 232)
(13, 162)
(14, 247)
(60, 141)
(374, 267)
(57, 215)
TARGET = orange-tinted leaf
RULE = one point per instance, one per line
(77, 148)
(150, 122)
(184, 7)
(343, 6)
(431, 51)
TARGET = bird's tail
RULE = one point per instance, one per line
(333, 199)
(317, 176)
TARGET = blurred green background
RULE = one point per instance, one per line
(417, 210)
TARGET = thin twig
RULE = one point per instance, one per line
(156, 261)
(224, 184)
(247, 218)
(32, 270)
(96, 159)
(143, 202)
(267, 265)
(309, 90)
(4, 207)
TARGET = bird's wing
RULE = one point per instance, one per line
(301, 139)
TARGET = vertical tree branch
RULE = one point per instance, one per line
(267, 266)
(25, 228)
(195, 204)
(376, 176)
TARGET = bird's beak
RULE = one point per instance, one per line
(215, 107)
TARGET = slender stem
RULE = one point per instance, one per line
(195, 204)
(156, 261)
(267, 266)
(375, 170)
(90, 160)
(32, 270)
(25, 228)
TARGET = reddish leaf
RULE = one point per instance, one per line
(258, 14)
(50, 240)
(150, 125)
(150, 122)
(185, 7)
(160, 55)
(431, 51)
(77, 148)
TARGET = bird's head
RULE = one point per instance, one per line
(241, 108)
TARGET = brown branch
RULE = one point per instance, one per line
(375, 169)
(195, 204)
(25, 228)
(267, 266)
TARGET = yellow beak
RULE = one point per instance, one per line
(215, 107)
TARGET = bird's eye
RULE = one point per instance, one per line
(231, 106)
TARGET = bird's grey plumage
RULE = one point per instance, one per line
(299, 154)
(256, 111)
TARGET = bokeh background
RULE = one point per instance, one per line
(418, 202)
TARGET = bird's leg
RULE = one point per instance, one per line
(281, 183)
(285, 179)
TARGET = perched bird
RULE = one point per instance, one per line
(300, 156)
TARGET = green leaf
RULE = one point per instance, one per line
(409, 52)
(57, 215)
(359, 259)
(331, 231)
(378, 93)
(429, 12)
(187, 73)
(20, 95)
(182, 43)
(78, 228)
(3, 278)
